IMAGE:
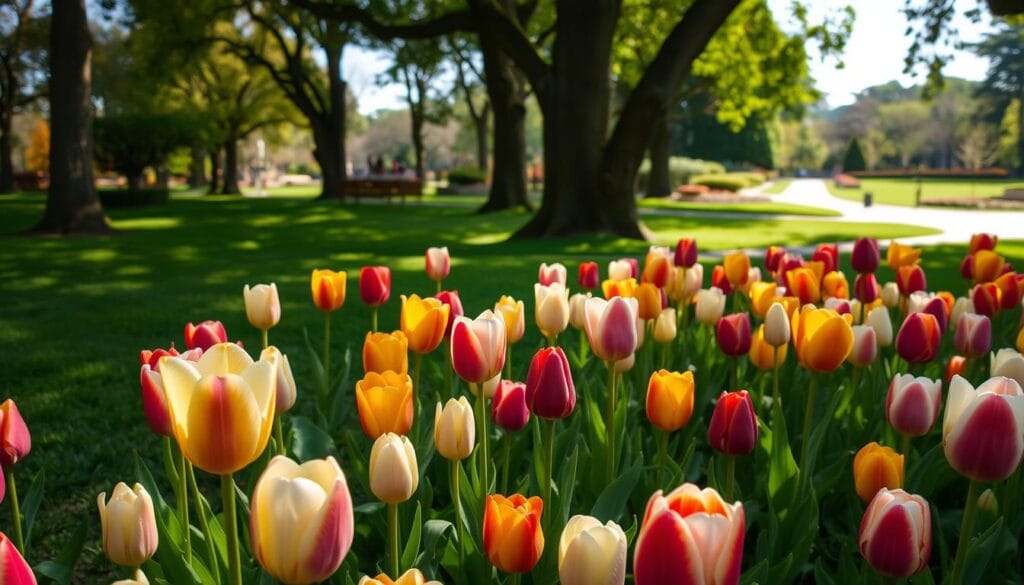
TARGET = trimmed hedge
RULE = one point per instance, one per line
(466, 175)
(680, 170)
(134, 197)
(729, 181)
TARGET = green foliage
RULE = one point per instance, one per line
(129, 143)
(729, 181)
(467, 175)
(680, 170)
(703, 136)
(853, 160)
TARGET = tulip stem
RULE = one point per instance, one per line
(905, 447)
(181, 492)
(506, 457)
(457, 505)
(481, 406)
(513, 579)
(393, 537)
(279, 435)
(227, 495)
(662, 456)
(734, 373)
(583, 345)
(508, 361)
(965, 533)
(438, 282)
(211, 552)
(612, 399)
(327, 352)
(549, 457)
(806, 437)
(417, 362)
(265, 338)
(373, 319)
(19, 539)
(730, 477)
(775, 375)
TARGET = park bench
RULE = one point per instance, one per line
(382, 188)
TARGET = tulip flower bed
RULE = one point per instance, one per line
(765, 472)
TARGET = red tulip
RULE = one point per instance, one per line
(918, 338)
(550, 392)
(657, 269)
(375, 285)
(986, 299)
(931, 304)
(973, 335)
(896, 533)
(773, 258)
(826, 258)
(983, 429)
(865, 288)
(719, 280)
(912, 404)
(982, 242)
(911, 279)
(205, 335)
(13, 568)
(508, 407)
(733, 334)
(865, 256)
(15, 440)
(154, 401)
(478, 347)
(686, 253)
(733, 426)
(450, 298)
(967, 267)
(689, 537)
(589, 276)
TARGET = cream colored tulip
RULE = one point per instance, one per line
(138, 579)
(1008, 363)
(578, 310)
(960, 306)
(693, 280)
(591, 553)
(262, 306)
(285, 385)
(625, 364)
(454, 429)
(551, 309)
(710, 305)
(619, 270)
(890, 294)
(665, 326)
(128, 524)
(777, 329)
(394, 475)
(878, 319)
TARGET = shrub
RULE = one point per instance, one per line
(680, 170)
(729, 181)
(466, 175)
(134, 197)
(854, 158)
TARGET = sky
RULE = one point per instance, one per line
(874, 55)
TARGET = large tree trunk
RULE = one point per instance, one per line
(481, 126)
(214, 171)
(658, 182)
(419, 151)
(6, 162)
(1020, 136)
(197, 170)
(229, 185)
(71, 203)
(329, 130)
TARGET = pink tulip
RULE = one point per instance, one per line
(973, 335)
(205, 335)
(733, 334)
(15, 440)
(983, 429)
(478, 347)
(550, 392)
(865, 346)
(689, 537)
(438, 263)
(733, 426)
(450, 298)
(611, 327)
(554, 273)
(896, 533)
(508, 408)
(918, 338)
(13, 568)
(154, 401)
(865, 256)
(375, 285)
(912, 404)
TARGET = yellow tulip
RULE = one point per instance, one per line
(987, 266)
(423, 321)
(513, 312)
(619, 288)
(670, 399)
(762, 354)
(737, 268)
(221, 407)
(385, 403)
(762, 295)
(900, 255)
(386, 351)
(411, 577)
(822, 338)
(328, 288)
(665, 326)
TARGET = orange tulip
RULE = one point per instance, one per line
(513, 539)
(899, 255)
(737, 268)
(790, 303)
(982, 242)
(670, 399)
(423, 321)
(619, 288)
(658, 267)
(822, 338)
(328, 289)
(385, 403)
(649, 297)
(762, 295)
(987, 266)
(804, 284)
(411, 577)
(834, 286)
(386, 351)
(762, 355)
(1009, 290)
(876, 467)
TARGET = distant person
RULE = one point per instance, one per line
(369, 165)
(378, 167)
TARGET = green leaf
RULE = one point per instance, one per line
(310, 441)
(62, 568)
(756, 574)
(30, 505)
(980, 553)
(412, 546)
(612, 501)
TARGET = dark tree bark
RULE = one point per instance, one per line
(331, 142)
(214, 171)
(197, 169)
(481, 128)
(71, 203)
(229, 186)
(1020, 136)
(659, 183)
(6, 163)
(416, 97)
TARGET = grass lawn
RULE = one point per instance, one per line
(76, 311)
(777, 186)
(759, 207)
(902, 191)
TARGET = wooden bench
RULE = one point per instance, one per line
(381, 188)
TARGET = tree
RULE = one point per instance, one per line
(71, 203)
(853, 160)
(416, 64)
(468, 79)
(21, 48)
(129, 143)
(906, 126)
(1005, 77)
(978, 147)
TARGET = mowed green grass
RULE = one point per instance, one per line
(903, 191)
(76, 311)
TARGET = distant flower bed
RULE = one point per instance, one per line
(846, 181)
(992, 172)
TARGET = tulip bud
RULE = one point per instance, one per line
(878, 319)
(139, 578)
(285, 390)
(301, 524)
(1009, 290)
(648, 298)
(876, 467)
(733, 334)
(129, 525)
(912, 404)
(375, 285)
(478, 347)
(550, 392)
(865, 346)
(205, 335)
(986, 299)
(776, 326)
(890, 294)
(394, 475)
(328, 289)
(804, 284)
(822, 338)
(973, 335)
(977, 420)
(454, 429)
(670, 399)
(15, 440)
(589, 275)
(512, 535)
(548, 275)
(988, 503)
(450, 299)
(410, 577)
(676, 545)
(693, 280)
(982, 242)
(423, 321)
(385, 403)
(513, 312)
(578, 310)
(611, 327)
(710, 305)
(1009, 363)
(686, 253)
(733, 426)
(762, 354)
(987, 266)
(896, 533)
(720, 281)
(865, 288)
(508, 409)
(665, 326)
(262, 306)
(865, 255)
(590, 553)
(386, 351)
(551, 308)
(620, 270)
(438, 263)
(918, 338)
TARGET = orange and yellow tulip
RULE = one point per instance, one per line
(649, 298)
(410, 577)
(619, 288)
(876, 467)
(385, 403)
(822, 338)
(513, 539)
(899, 255)
(737, 268)
(835, 286)
(762, 295)
(328, 288)
(423, 322)
(762, 354)
(804, 283)
(386, 351)
(670, 399)
(987, 266)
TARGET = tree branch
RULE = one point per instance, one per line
(448, 23)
